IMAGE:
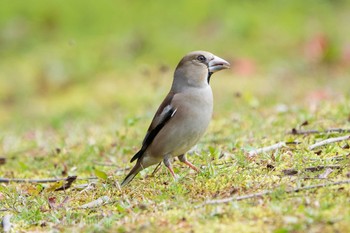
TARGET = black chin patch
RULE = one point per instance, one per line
(209, 75)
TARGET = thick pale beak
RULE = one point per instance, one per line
(217, 64)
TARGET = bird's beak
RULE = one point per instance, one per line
(217, 64)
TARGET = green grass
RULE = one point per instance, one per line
(80, 83)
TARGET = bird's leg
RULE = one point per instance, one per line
(168, 164)
(183, 159)
(156, 169)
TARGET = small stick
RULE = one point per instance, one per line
(299, 132)
(336, 158)
(318, 168)
(8, 180)
(267, 192)
(313, 131)
(328, 141)
(96, 203)
(266, 149)
(291, 171)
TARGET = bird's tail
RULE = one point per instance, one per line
(134, 171)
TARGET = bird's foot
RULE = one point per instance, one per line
(176, 177)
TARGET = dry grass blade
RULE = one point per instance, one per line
(8, 180)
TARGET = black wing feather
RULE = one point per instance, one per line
(153, 133)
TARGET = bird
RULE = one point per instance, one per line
(183, 116)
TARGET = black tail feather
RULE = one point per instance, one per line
(134, 171)
(137, 155)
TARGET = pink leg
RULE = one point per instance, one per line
(167, 163)
(183, 159)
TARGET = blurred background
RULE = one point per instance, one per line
(63, 62)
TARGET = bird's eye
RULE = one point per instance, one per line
(201, 58)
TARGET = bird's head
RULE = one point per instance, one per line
(197, 67)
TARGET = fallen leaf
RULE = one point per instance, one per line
(52, 202)
(100, 174)
(67, 185)
(289, 172)
(2, 161)
(326, 173)
(54, 186)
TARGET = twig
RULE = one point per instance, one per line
(8, 180)
(267, 192)
(336, 158)
(318, 168)
(314, 131)
(96, 203)
(291, 171)
(266, 149)
(239, 198)
(328, 141)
